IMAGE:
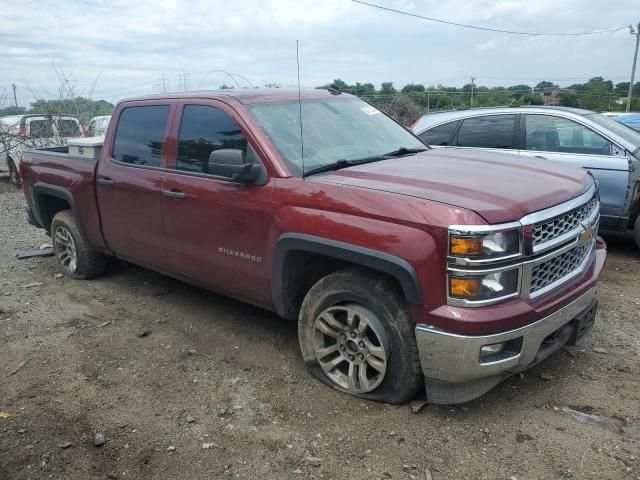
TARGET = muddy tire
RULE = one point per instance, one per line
(14, 176)
(73, 253)
(356, 336)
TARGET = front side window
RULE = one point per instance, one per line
(204, 129)
(332, 130)
(492, 131)
(139, 135)
(441, 135)
(547, 133)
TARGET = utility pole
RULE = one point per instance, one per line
(184, 79)
(162, 83)
(472, 80)
(635, 32)
(15, 99)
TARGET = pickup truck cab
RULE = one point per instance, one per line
(406, 268)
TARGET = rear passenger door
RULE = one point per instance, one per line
(129, 183)
(564, 140)
(217, 229)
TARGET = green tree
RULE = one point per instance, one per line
(387, 89)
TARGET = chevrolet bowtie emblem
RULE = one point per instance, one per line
(587, 234)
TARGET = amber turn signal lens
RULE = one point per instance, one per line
(465, 246)
(464, 287)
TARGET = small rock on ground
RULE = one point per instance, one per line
(99, 440)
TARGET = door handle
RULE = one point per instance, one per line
(174, 194)
(105, 181)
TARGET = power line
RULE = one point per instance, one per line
(475, 27)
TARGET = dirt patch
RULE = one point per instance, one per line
(219, 373)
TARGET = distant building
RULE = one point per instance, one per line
(553, 99)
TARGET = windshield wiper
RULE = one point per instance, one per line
(359, 161)
(404, 151)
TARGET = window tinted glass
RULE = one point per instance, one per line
(68, 128)
(554, 134)
(40, 128)
(139, 135)
(204, 129)
(440, 135)
(487, 132)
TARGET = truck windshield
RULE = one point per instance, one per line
(333, 129)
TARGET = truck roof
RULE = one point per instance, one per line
(248, 96)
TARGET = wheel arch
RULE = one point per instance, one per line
(49, 200)
(294, 250)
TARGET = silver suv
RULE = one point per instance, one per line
(608, 149)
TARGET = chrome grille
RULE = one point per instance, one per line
(551, 229)
(556, 268)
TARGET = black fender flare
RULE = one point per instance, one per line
(40, 189)
(397, 267)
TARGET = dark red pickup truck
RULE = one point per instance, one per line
(405, 267)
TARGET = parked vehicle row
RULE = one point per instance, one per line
(407, 268)
(21, 132)
(598, 143)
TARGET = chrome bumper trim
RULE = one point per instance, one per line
(455, 358)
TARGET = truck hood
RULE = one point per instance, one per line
(499, 187)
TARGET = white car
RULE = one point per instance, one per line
(23, 132)
(98, 126)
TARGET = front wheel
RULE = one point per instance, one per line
(75, 257)
(356, 336)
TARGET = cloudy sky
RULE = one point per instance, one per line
(127, 46)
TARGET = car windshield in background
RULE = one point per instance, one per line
(335, 129)
(626, 132)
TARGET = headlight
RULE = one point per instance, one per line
(490, 245)
(483, 287)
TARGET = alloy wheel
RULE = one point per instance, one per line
(66, 251)
(349, 348)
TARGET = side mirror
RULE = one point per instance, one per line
(229, 162)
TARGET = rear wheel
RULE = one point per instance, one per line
(14, 176)
(356, 336)
(75, 257)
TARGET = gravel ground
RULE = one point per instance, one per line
(217, 389)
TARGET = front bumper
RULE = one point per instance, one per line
(452, 366)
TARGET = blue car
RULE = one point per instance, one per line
(629, 119)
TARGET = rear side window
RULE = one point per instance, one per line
(139, 135)
(40, 128)
(493, 131)
(68, 128)
(204, 129)
(440, 135)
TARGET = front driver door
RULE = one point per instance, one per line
(563, 140)
(217, 230)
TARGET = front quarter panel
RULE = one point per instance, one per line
(409, 229)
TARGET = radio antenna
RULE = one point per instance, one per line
(300, 107)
